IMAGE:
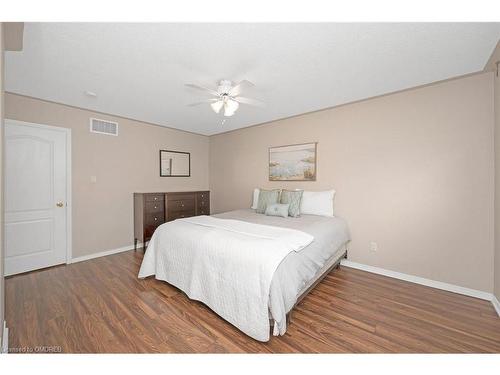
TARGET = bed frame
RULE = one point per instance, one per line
(315, 281)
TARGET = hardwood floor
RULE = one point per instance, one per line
(100, 306)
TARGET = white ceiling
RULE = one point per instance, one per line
(139, 70)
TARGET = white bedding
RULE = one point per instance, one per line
(226, 264)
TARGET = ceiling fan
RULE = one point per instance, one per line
(227, 96)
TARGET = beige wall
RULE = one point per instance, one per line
(413, 172)
(103, 211)
(2, 294)
(497, 184)
(13, 36)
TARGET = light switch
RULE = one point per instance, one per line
(93, 179)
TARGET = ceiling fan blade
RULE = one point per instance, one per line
(197, 87)
(254, 102)
(236, 90)
(203, 102)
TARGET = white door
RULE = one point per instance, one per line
(35, 196)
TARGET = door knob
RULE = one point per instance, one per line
(59, 204)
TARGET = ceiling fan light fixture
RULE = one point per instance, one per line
(217, 106)
(230, 107)
(227, 97)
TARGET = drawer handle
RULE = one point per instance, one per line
(156, 207)
(156, 218)
(182, 204)
(156, 198)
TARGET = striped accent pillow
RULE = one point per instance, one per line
(267, 197)
(293, 198)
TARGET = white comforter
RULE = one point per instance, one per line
(226, 264)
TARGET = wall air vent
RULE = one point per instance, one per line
(103, 126)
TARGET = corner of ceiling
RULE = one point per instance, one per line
(492, 63)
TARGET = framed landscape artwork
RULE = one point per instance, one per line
(293, 162)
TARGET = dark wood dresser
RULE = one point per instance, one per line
(154, 209)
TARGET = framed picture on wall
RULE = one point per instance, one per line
(293, 162)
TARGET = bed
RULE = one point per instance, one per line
(201, 256)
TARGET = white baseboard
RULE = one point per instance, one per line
(105, 253)
(496, 305)
(420, 280)
(5, 338)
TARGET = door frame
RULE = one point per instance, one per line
(69, 204)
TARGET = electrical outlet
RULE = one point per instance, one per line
(373, 247)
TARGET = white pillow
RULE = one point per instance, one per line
(255, 202)
(317, 203)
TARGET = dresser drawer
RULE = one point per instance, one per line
(154, 197)
(203, 195)
(155, 218)
(175, 213)
(179, 196)
(154, 206)
(203, 211)
(203, 203)
(181, 204)
(180, 214)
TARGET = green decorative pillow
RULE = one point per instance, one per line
(267, 197)
(293, 198)
(277, 210)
